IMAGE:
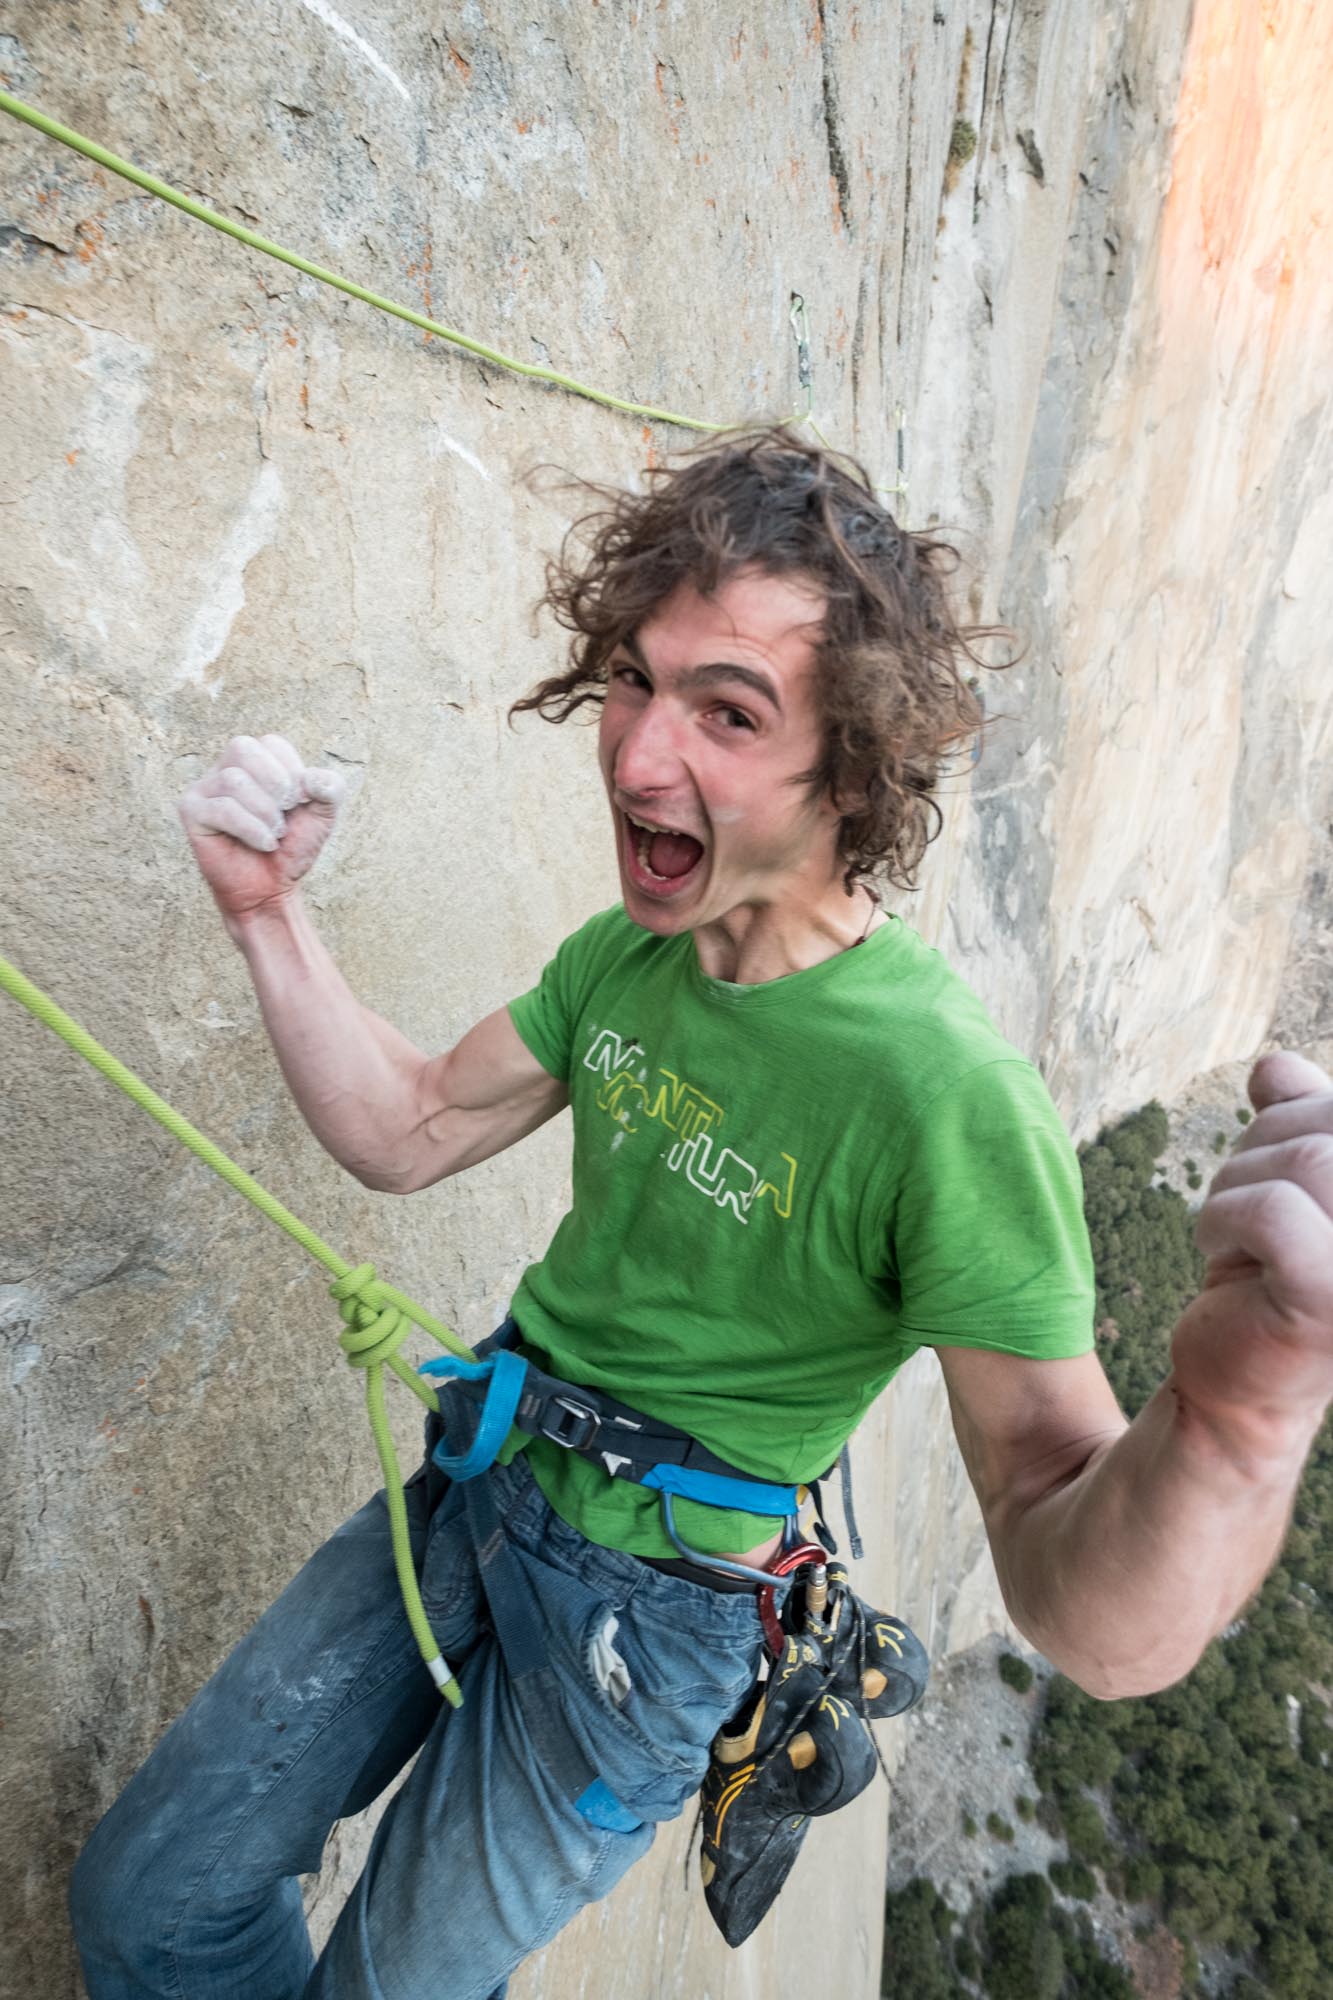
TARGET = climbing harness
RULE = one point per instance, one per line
(499, 1390)
(800, 1745)
(511, 1392)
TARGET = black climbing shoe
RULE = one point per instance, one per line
(872, 1660)
(797, 1749)
(800, 1747)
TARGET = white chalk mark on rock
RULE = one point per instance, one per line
(441, 441)
(212, 621)
(323, 12)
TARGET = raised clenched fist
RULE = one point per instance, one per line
(257, 820)
(1260, 1333)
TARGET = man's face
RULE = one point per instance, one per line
(709, 716)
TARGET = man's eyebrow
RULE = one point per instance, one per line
(731, 670)
(714, 671)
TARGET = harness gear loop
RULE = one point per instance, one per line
(506, 1373)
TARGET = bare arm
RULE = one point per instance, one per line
(1120, 1550)
(392, 1116)
(1123, 1549)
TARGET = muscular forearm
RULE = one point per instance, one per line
(356, 1080)
(1123, 1549)
(1123, 1573)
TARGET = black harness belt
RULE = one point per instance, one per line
(512, 1392)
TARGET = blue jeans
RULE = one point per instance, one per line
(188, 1887)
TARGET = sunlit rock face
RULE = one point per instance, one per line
(1140, 840)
(1083, 249)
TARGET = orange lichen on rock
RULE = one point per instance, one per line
(1251, 196)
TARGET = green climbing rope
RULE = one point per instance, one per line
(30, 115)
(376, 1317)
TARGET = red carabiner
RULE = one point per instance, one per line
(783, 1564)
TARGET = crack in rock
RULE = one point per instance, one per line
(25, 244)
(837, 159)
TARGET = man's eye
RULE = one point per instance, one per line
(736, 718)
(630, 675)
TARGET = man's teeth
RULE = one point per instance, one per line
(643, 840)
(650, 826)
(643, 835)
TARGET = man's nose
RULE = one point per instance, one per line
(650, 754)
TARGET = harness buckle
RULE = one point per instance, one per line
(574, 1428)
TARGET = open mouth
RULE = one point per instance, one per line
(661, 860)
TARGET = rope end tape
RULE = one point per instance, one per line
(444, 1680)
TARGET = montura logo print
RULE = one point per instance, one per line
(631, 1098)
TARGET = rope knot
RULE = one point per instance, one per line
(373, 1327)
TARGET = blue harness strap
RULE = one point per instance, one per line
(716, 1489)
(518, 1627)
(514, 1393)
(504, 1373)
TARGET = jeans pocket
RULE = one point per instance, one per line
(687, 1678)
(644, 1695)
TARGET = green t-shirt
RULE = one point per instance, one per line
(780, 1192)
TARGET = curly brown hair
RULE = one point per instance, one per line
(891, 687)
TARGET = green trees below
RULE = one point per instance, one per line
(1019, 1946)
(1210, 1803)
(1146, 1266)
(1212, 1800)
(919, 1951)
(1033, 1950)
(1218, 1794)
(1015, 1672)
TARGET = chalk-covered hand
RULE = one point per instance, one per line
(1254, 1351)
(257, 820)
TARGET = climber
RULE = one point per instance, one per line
(801, 1152)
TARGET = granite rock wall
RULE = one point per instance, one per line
(1084, 249)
